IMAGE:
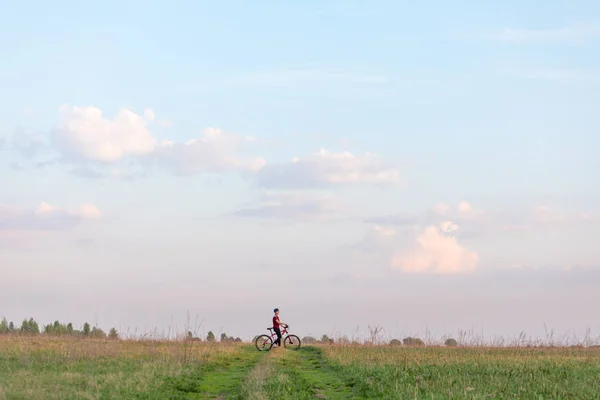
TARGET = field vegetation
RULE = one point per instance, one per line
(75, 364)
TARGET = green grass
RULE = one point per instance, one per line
(468, 373)
(45, 368)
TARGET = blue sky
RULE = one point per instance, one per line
(353, 163)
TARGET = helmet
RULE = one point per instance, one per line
(275, 310)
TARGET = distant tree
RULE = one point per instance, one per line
(223, 337)
(210, 337)
(395, 342)
(56, 329)
(86, 329)
(189, 335)
(35, 328)
(113, 334)
(238, 340)
(4, 326)
(97, 333)
(309, 340)
(451, 342)
(11, 326)
(410, 341)
(24, 326)
(324, 338)
(70, 328)
(30, 326)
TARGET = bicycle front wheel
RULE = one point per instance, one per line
(263, 343)
(292, 342)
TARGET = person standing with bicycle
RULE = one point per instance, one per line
(276, 324)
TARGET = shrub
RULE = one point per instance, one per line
(410, 341)
(309, 340)
(97, 333)
(451, 342)
(395, 342)
(326, 339)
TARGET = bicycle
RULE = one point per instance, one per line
(265, 342)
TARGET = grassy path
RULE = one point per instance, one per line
(218, 379)
(302, 374)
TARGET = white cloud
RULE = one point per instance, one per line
(474, 221)
(441, 208)
(86, 134)
(575, 33)
(449, 227)
(434, 252)
(149, 114)
(214, 151)
(84, 211)
(379, 241)
(290, 206)
(326, 168)
(18, 222)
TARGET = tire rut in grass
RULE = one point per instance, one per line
(217, 379)
(305, 374)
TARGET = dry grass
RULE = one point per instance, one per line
(50, 367)
(435, 355)
(72, 348)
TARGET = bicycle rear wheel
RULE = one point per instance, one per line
(263, 343)
(292, 342)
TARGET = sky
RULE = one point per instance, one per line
(427, 168)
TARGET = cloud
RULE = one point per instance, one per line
(91, 142)
(435, 252)
(379, 241)
(215, 150)
(576, 33)
(544, 217)
(430, 242)
(87, 173)
(325, 169)
(471, 220)
(15, 166)
(27, 142)
(428, 249)
(46, 217)
(86, 134)
(474, 221)
(289, 206)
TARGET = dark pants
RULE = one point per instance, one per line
(278, 333)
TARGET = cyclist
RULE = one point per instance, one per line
(276, 324)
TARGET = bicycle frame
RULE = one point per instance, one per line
(274, 335)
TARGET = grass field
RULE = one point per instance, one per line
(52, 368)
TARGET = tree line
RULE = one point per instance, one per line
(210, 337)
(31, 327)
